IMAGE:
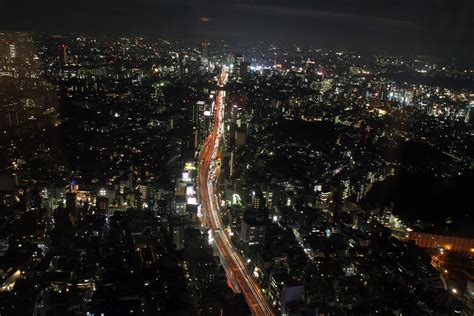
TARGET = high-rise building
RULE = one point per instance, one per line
(253, 228)
(268, 197)
(71, 202)
(180, 205)
(240, 138)
(282, 290)
(102, 204)
(236, 215)
(144, 193)
(258, 201)
(177, 232)
(12, 50)
(64, 49)
(240, 67)
(204, 50)
(196, 111)
(346, 188)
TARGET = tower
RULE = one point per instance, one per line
(64, 48)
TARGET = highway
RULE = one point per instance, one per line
(208, 173)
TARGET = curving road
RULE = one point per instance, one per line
(206, 182)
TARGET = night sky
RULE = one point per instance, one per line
(428, 26)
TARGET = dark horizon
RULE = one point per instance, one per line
(440, 28)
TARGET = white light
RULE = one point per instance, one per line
(192, 201)
(255, 272)
(210, 238)
(189, 191)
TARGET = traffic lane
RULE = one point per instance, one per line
(250, 290)
(248, 285)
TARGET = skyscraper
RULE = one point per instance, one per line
(12, 50)
(64, 48)
(253, 228)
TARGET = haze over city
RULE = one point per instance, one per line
(436, 27)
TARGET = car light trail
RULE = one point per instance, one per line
(207, 175)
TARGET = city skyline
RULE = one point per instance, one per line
(429, 27)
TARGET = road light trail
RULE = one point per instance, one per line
(207, 175)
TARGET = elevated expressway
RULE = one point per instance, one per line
(238, 276)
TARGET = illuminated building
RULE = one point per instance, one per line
(102, 204)
(236, 215)
(326, 85)
(346, 189)
(240, 138)
(253, 228)
(177, 231)
(240, 67)
(180, 205)
(144, 193)
(268, 197)
(325, 197)
(64, 48)
(197, 111)
(238, 59)
(450, 243)
(283, 289)
(204, 49)
(12, 50)
(258, 201)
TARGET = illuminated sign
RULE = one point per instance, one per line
(189, 165)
